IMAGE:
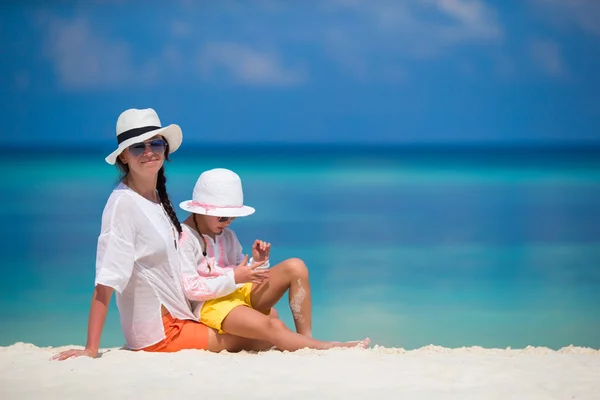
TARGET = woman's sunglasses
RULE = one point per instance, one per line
(225, 219)
(157, 146)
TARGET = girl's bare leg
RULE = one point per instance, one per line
(290, 274)
(252, 324)
(219, 342)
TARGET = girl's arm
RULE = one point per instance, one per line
(239, 255)
(201, 287)
(199, 283)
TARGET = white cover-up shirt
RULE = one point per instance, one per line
(222, 254)
(136, 256)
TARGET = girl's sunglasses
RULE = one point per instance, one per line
(225, 219)
(157, 146)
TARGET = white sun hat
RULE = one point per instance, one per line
(218, 192)
(135, 126)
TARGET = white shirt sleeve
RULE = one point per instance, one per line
(199, 283)
(115, 255)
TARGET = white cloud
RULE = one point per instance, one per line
(473, 20)
(393, 32)
(546, 54)
(246, 65)
(433, 23)
(585, 14)
(369, 40)
(84, 60)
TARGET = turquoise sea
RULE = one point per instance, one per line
(410, 246)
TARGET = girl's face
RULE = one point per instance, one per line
(145, 158)
(216, 225)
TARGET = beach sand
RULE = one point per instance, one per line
(429, 373)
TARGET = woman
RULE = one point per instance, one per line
(137, 254)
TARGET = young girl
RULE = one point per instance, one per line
(229, 293)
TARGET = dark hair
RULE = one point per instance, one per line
(161, 187)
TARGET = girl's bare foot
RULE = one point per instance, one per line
(362, 344)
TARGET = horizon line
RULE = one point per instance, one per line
(555, 145)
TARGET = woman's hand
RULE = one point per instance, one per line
(250, 273)
(261, 250)
(98, 310)
(65, 355)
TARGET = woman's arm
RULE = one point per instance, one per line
(115, 258)
(98, 311)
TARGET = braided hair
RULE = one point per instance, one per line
(161, 188)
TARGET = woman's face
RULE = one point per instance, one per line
(145, 158)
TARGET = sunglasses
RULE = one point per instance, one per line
(225, 219)
(157, 146)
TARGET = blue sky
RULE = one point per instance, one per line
(330, 71)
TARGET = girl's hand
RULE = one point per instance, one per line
(261, 250)
(250, 273)
(65, 355)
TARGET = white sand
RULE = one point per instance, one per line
(427, 373)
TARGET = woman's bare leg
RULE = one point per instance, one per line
(250, 323)
(290, 274)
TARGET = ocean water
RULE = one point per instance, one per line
(409, 247)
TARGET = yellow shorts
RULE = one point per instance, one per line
(214, 311)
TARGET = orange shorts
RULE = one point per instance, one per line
(181, 334)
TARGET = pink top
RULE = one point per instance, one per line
(223, 254)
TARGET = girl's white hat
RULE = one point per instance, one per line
(218, 192)
(135, 126)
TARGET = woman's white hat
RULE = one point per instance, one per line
(135, 126)
(218, 192)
